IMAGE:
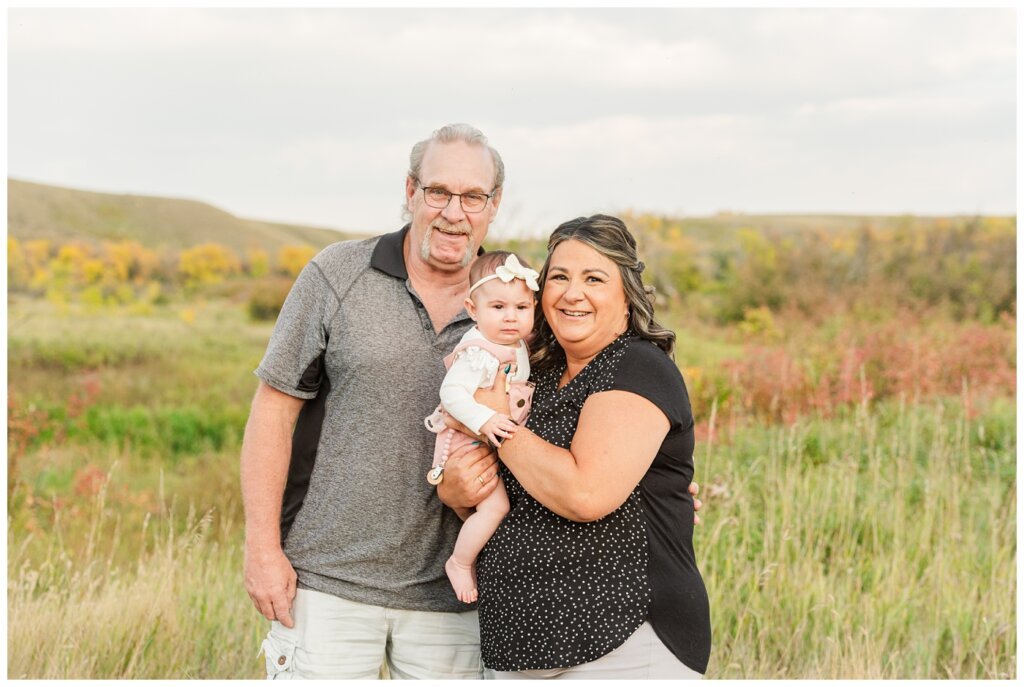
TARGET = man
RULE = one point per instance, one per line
(345, 539)
(353, 367)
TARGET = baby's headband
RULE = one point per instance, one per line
(512, 269)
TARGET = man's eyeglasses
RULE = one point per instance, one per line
(437, 197)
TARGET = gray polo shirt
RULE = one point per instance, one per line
(359, 519)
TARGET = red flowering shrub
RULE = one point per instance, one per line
(861, 363)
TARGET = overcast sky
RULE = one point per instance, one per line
(307, 116)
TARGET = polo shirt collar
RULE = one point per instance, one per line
(389, 254)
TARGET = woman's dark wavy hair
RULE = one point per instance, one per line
(609, 237)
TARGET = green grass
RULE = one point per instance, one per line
(195, 354)
(877, 543)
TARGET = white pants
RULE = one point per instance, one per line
(641, 657)
(336, 638)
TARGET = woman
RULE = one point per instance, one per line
(592, 573)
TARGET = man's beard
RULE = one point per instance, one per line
(441, 223)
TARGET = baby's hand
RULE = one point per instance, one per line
(498, 428)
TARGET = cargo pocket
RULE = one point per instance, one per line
(280, 655)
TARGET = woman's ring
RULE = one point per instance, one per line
(481, 478)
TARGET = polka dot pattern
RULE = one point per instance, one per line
(556, 593)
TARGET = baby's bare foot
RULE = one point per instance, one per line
(463, 579)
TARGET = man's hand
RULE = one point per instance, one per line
(697, 503)
(470, 474)
(270, 581)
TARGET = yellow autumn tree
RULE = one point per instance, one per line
(208, 263)
(68, 267)
(37, 258)
(291, 259)
(130, 261)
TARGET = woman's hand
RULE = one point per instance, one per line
(495, 398)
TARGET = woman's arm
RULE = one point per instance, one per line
(617, 437)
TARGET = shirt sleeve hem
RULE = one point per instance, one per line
(289, 389)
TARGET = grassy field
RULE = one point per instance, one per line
(876, 540)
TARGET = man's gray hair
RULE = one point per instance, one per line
(450, 134)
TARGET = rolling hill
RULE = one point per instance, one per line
(62, 214)
(39, 211)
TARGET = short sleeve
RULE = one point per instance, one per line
(647, 371)
(293, 362)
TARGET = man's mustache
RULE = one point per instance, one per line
(444, 225)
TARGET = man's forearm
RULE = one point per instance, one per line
(266, 454)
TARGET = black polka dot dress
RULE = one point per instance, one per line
(556, 593)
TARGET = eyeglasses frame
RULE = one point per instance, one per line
(487, 197)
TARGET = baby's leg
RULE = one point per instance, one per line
(475, 532)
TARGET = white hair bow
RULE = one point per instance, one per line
(512, 269)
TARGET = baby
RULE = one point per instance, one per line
(501, 301)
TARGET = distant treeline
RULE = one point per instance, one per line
(127, 273)
(967, 268)
(964, 267)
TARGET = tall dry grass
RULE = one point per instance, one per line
(879, 543)
(178, 611)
